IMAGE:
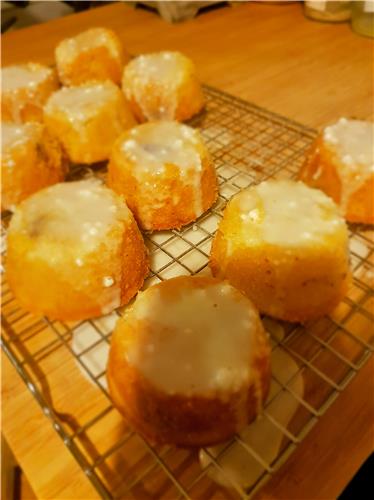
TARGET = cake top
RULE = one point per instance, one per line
(82, 102)
(160, 67)
(353, 140)
(81, 212)
(12, 135)
(288, 213)
(28, 75)
(69, 48)
(153, 79)
(193, 335)
(152, 145)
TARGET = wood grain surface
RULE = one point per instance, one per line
(40, 452)
(320, 467)
(270, 55)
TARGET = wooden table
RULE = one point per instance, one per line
(273, 56)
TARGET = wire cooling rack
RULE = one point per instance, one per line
(248, 145)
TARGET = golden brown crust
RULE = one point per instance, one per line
(178, 420)
(162, 199)
(294, 284)
(169, 215)
(321, 171)
(190, 101)
(95, 63)
(135, 266)
(92, 141)
(189, 97)
(48, 282)
(297, 288)
(31, 166)
(181, 419)
(25, 105)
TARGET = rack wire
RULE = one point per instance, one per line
(63, 364)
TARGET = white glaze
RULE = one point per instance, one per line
(197, 341)
(353, 143)
(159, 74)
(83, 102)
(17, 142)
(153, 145)
(13, 135)
(21, 84)
(72, 221)
(353, 140)
(289, 213)
(70, 48)
(25, 76)
(108, 281)
(73, 212)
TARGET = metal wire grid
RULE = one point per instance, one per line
(248, 145)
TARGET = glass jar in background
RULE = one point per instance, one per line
(363, 18)
(329, 11)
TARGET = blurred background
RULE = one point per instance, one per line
(20, 14)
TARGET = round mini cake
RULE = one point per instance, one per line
(165, 172)
(162, 86)
(189, 362)
(87, 119)
(95, 54)
(25, 88)
(341, 163)
(31, 159)
(286, 246)
(74, 252)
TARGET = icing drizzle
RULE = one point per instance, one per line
(13, 135)
(70, 48)
(353, 143)
(26, 76)
(82, 211)
(82, 102)
(76, 219)
(183, 352)
(153, 145)
(22, 85)
(156, 75)
(288, 213)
